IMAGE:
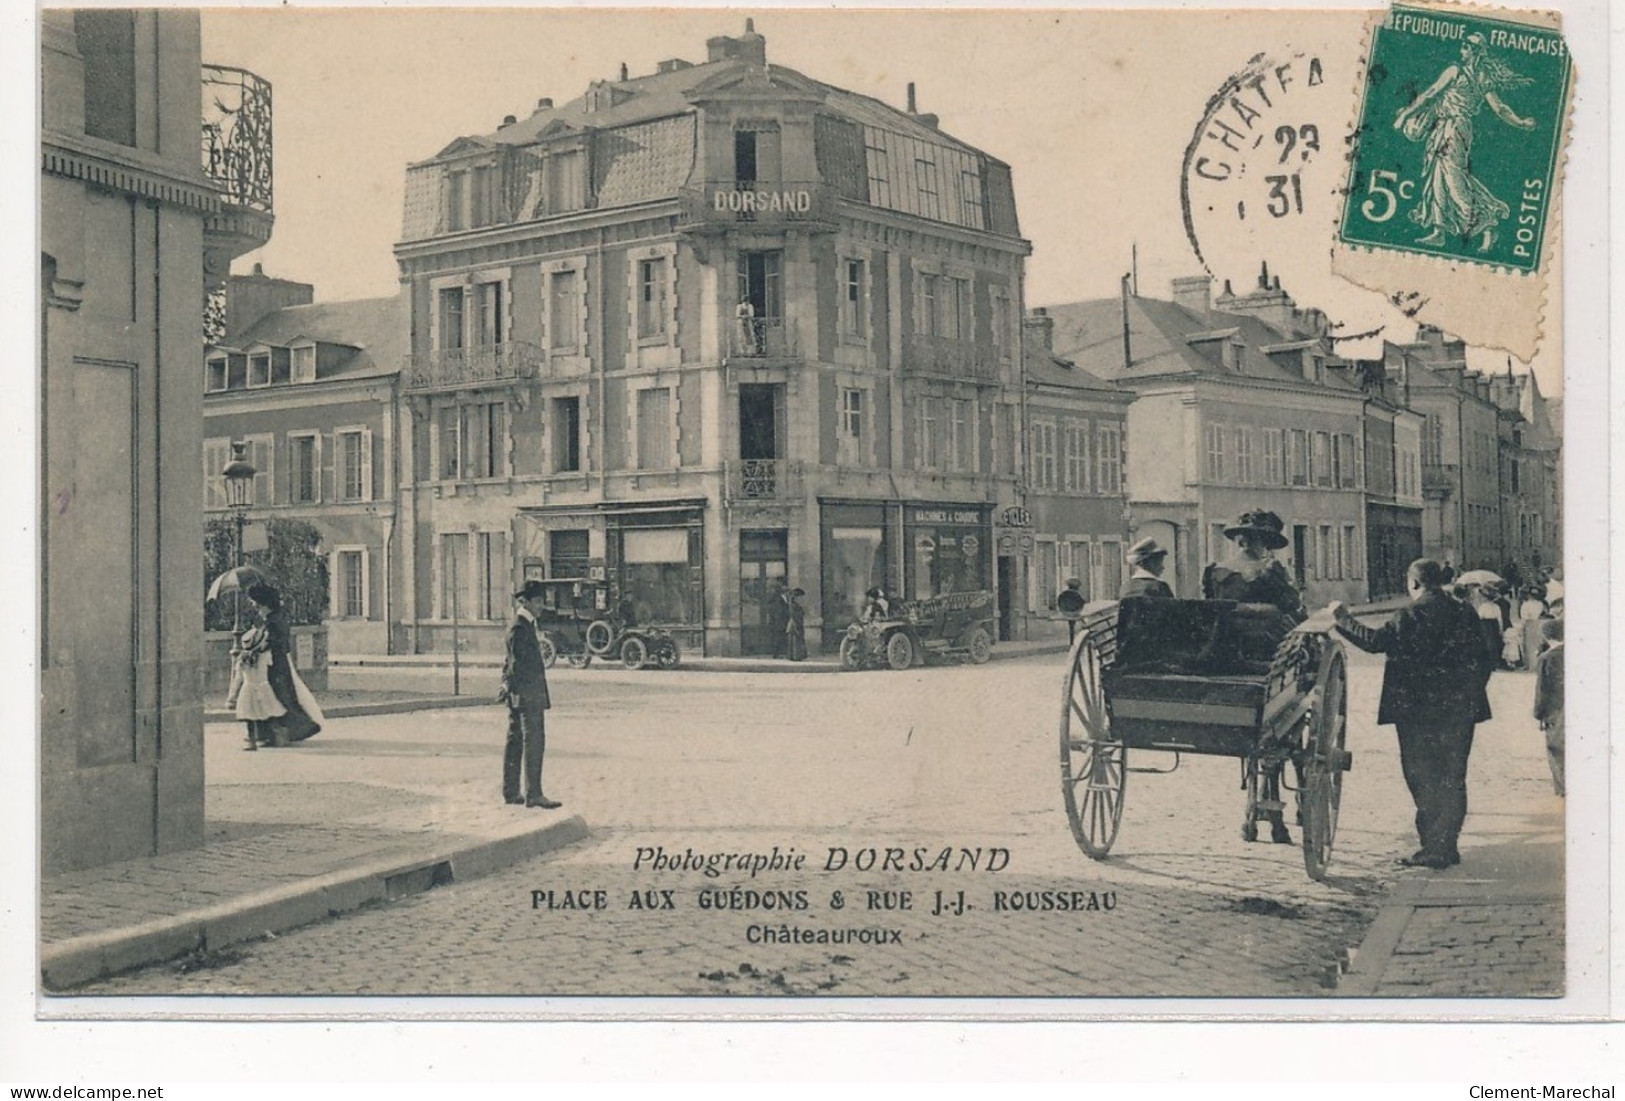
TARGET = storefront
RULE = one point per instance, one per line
(949, 549)
(855, 555)
(656, 560)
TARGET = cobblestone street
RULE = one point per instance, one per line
(959, 758)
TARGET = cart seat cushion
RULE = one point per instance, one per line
(1198, 637)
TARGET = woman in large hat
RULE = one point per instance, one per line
(302, 717)
(1250, 573)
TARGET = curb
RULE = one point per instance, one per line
(1370, 958)
(84, 959)
(382, 707)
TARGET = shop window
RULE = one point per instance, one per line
(854, 561)
(568, 553)
(655, 575)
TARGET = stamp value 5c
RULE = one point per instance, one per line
(1460, 132)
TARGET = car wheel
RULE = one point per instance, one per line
(550, 652)
(579, 661)
(667, 655)
(851, 653)
(598, 638)
(900, 651)
(634, 653)
(981, 646)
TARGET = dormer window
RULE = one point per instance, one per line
(215, 377)
(259, 369)
(303, 363)
(456, 196)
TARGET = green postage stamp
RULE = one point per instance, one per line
(1459, 138)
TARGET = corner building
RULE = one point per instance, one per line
(697, 333)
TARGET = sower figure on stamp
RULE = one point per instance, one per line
(1433, 694)
(524, 689)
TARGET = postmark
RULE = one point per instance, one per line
(1457, 147)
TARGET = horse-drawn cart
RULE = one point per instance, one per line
(1207, 677)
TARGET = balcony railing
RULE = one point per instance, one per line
(946, 356)
(765, 480)
(762, 338)
(760, 205)
(483, 365)
(237, 136)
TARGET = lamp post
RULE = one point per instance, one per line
(239, 478)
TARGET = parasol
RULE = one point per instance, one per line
(236, 579)
(1479, 577)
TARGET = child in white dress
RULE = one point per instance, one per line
(251, 695)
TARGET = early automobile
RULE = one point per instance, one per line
(577, 622)
(938, 626)
(1210, 677)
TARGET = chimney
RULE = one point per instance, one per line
(911, 108)
(544, 104)
(624, 71)
(1267, 302)
(507, 120)
(1040, 329)
(752, 46)
(1128, 348)
(672, 65)
(1193, 292)
(719, 48)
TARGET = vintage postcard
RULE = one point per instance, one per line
(634, 512)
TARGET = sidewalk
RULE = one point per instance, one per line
(1494, 925)
(295, 836)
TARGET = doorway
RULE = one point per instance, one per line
(1007, 594)
(763, 570)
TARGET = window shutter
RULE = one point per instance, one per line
(335, 582)
(366, 464)
(324, 472)
(262, 453)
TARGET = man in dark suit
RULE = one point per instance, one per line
(1145, 560)
(524, 688)
(1433, 694)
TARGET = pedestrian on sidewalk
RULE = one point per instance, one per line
(1549, 697)
(795, 627)
(524, 690)
(251, 697)
(302, 717)
(1433, 693)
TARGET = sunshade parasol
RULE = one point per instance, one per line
(236, 579)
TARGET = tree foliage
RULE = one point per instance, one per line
(292, 561)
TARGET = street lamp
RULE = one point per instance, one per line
(239, 479)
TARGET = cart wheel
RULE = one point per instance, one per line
(900, 651)
(1322, 792)
(852, 653)
(550, 652)
(634, 653)
(981, 646)
(666, 653)
(1094, 768)
(579, 661)
(598, 638)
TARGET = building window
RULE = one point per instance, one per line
(259, 369)
(876, 156)
(1244, 456)
(304, 363)
(491, 547)
(564, 311)
(1046, 564)
(926, 310)
(1109, 459)
(925, 177)
(652, 299)
(1215, 453)
(954, 312)
(569, 553)
(488, 315)
(970, 193)
(451, 442)
(928, 452)
(350, 582)
(1351, 551)
(1322, 458)
(353, 452)
(305, 470)
(479, 196)
(1298, 457)
(214, 378)
(484, 438)
(566, 184)
(216, 454)
(451, 330)
(1324, 553)
(854, 321)
(566, 434)
(1001, 325)
(454, 565)
(1075, 457)
(1433, 440)
(262, 453)
(1272, 457)
(961, 435)
(456, 198)
(654, 429)
(852, 414)
(1043, 457)
(106, 41)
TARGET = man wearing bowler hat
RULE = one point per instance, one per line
(524, 688)
(1145, 560)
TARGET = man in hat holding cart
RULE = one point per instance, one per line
(524, 689)
(1145, 560)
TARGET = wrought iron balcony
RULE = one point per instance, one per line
(764, 480)
(762, 338)
(946, 356)
(758, 206)
(483, 365)
(237, 136)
